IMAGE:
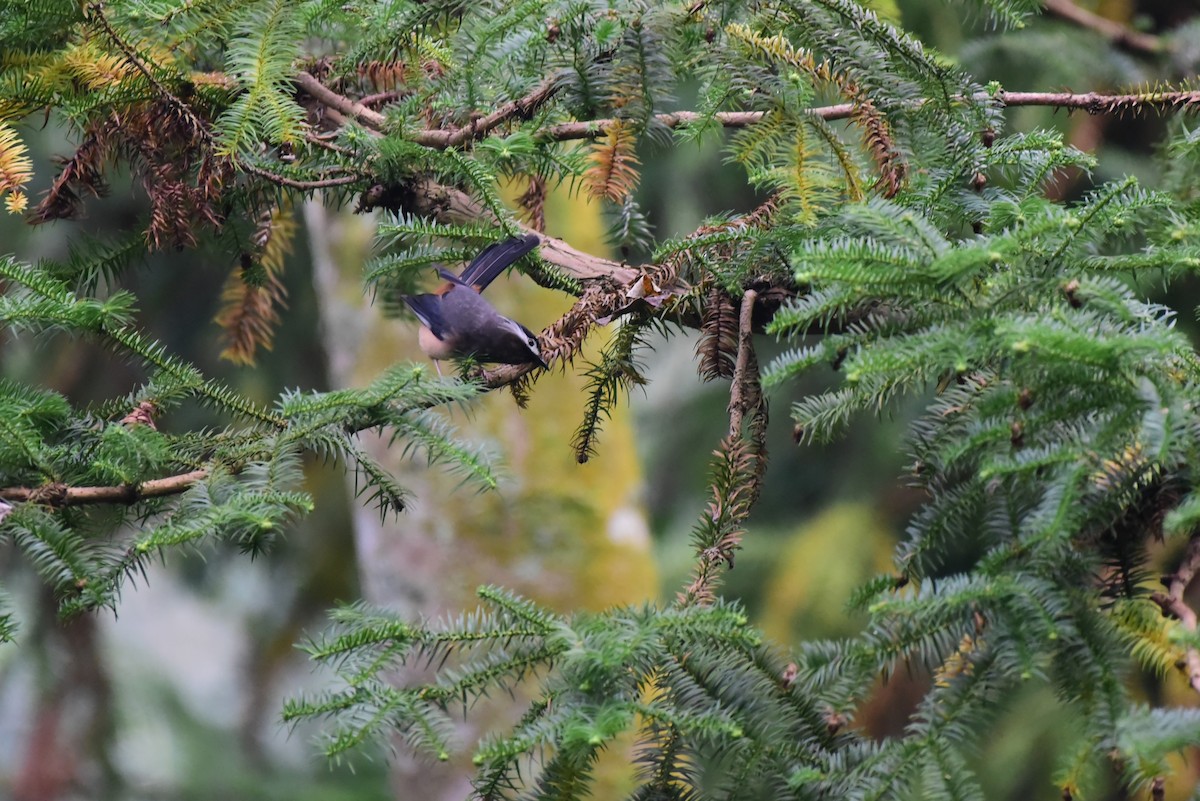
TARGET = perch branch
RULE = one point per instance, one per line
(455, 206)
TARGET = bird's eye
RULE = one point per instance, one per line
(533, 343)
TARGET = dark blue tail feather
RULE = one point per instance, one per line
(495, 259)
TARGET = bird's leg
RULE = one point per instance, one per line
(438, 366)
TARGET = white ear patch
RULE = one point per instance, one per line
(520, 333)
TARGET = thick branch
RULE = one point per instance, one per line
(1172, 603)
(319, 91)
(1120, 35)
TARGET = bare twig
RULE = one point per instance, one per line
(593, 129)
(1120, 35)
(382, 97)
(1172, 603)
(62, 495)
(1091, 102)
(303, 186)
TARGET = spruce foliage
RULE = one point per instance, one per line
(904, 239)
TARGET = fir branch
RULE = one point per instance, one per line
(94, 12)
(613, 173)
(16, 169)
(57, 494)
(718, 534)
(616, 371)
(253, 293)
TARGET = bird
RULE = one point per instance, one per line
(456, 320)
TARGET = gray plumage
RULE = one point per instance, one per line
(457, 321)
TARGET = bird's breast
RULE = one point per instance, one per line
(433, 347)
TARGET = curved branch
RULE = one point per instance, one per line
(1120, 35)
(1173, 604)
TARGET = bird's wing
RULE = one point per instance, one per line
(494, 259)
(428, 309)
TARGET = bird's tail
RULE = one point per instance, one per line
(495, 259)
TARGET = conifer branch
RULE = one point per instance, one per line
(57, 494)
(1120, 35)
(95, 12)
(1172, 603)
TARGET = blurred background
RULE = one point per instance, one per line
(178, 696)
